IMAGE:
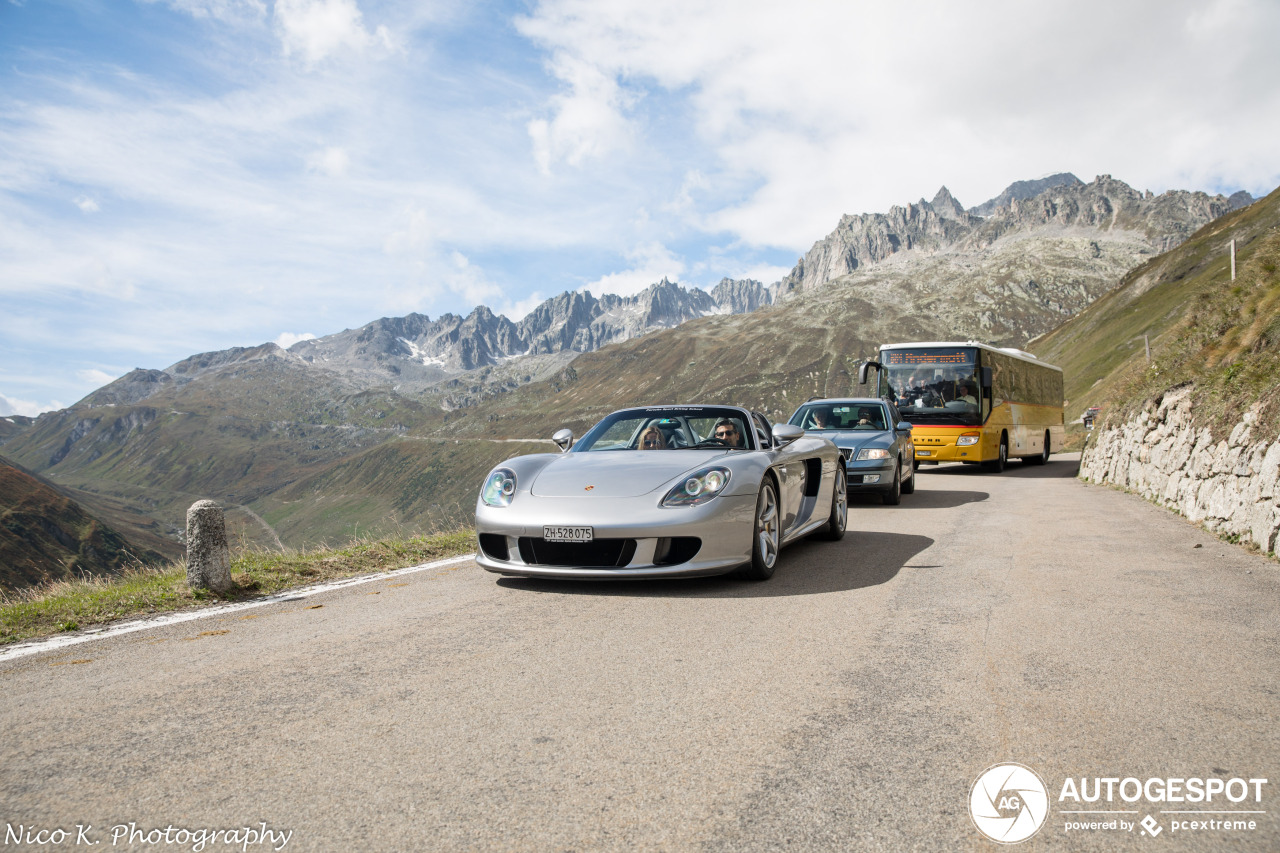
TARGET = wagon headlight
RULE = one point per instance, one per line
(499, 487)
(873, 453)
(968, 438)
(698, 488)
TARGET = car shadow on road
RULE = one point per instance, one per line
(1057, 468)
(921, 499)
(862, 559)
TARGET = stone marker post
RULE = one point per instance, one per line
(208, 560)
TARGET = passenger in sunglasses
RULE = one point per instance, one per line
(651, 439)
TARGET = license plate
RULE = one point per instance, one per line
(924, 453)
(566, 534)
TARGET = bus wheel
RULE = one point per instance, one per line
(893, 495)
(1043, 458)
(996, 465)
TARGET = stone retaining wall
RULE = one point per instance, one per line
(1228, 486)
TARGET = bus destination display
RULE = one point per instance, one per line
(895, 357)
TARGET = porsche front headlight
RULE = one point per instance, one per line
(698, 488)
(499, 487)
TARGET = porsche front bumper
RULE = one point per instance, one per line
(654, 540)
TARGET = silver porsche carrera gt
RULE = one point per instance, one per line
(662, 491)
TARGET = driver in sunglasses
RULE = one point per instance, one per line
(727, 431)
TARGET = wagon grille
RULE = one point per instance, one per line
(847, 453)
(600, 552)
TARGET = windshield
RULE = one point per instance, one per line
(841, 416)
(933, 385)
(668, 428)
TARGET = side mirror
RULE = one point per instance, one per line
(563, 439)
(903, 426)
(986, 379)
(862, 370)
(784, 434)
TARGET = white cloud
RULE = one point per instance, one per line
(228, 11)
(586, 123)
(652, 262)
(12, 406)
(86, 204)
(830, 108)
(433, 268)
(96, 377)
(684, 202)
(317, 29)
(332, 161)
(517, 311)
(763, 273)
(468, 281)
(288, 339)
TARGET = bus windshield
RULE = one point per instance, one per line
(933, 385)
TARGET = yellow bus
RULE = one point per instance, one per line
(973, 403)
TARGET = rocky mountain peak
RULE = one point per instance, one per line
(945, 205)
(740, 296)
(1060, 200)
(1024, 190)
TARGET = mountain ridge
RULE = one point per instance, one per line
(1105, 204)
(274, 430)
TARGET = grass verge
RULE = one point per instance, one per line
(71, 605)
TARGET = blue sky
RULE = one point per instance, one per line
(178, 176)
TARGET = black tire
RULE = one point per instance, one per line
(766, 537)
(892, 496)
(1043, 457)
(909, 487)
(996, 465)
(915, 464)
(839, 518)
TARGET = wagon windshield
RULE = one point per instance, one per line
(669, 428)
(841, 416)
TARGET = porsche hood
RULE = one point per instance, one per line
(622, 474)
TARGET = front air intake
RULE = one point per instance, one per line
(600, 553)
(494, 546)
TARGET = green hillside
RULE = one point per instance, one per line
(45, 536)
(401, 486)
(233, 438)
(1203, 328)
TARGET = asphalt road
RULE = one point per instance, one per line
(848, 704)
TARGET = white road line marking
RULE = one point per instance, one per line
(31, 647)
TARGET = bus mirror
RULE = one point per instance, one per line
(862, 371)
(986, 379)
